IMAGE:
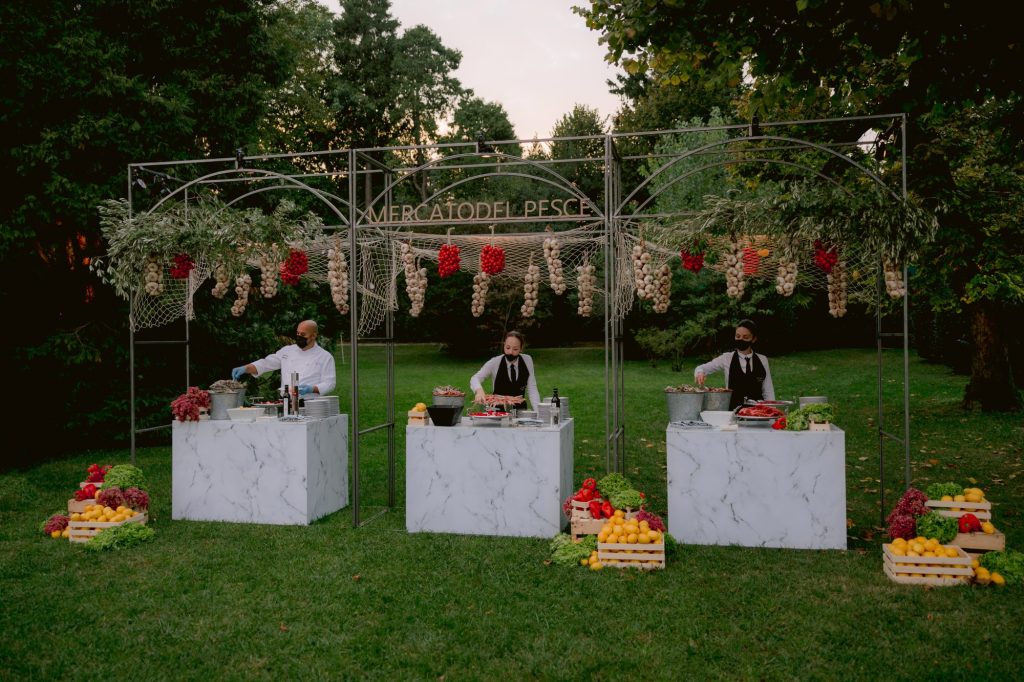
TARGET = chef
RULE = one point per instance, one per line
(512, 372)
(314, 364)
(746, 372)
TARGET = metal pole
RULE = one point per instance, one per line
(389, 331)
(879, 284)
(609, 279)
(131, 346)
(906, 326)
(353, 334)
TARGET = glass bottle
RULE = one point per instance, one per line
(556, 407)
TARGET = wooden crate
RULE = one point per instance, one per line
(901, 569)
(979, 543)
(983, 510)
(82, 531)
(79, 506)
(582, 523)
(622, 555)
(819, 426)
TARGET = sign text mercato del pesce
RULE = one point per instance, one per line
(465, 210)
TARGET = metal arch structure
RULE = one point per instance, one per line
(612, 211)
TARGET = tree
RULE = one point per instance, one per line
(937, 63)
(588, 176)
(88, 88)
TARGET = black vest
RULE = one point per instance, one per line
(505, 386)
(745, 385)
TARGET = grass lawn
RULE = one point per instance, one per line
(235, 601)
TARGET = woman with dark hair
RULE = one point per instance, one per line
(746, 372)
(511, 372)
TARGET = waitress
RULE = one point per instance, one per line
(512, 372)
(746, 372)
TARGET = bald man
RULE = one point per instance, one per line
(314, 364)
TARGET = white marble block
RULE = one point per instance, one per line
(757, 487)
(487, 480)
(259, 472)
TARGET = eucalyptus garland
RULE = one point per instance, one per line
(231, 239)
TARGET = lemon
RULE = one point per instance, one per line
(928, 553)
(898, 550)
(899, 541)
(613, 539)
(76, 517)
(602, 537)
(920, 538)
(420, 407)
(619, 514)
(631, 538)
(596, 566)
(931, 545)
(55, 534)
(952, 553)
(988, 527)
(643, 538)
(997, 579)
(654, 535)
(947, 498)
(584, 562)
(975, 564)
(65, 533)
(917, 547)
(959, 498)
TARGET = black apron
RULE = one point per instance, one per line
(503, 385)
(746, 385)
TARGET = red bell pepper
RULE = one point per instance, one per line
(969, 523)
(595, 509)
(779, 424)
(583, 495)
(590, 484)
(607, 510)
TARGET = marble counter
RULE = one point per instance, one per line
(757, 487)
(259, 472)
(488, 480)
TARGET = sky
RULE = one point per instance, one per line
(534, 57)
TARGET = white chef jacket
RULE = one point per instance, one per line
(490, 369)
(314, 365)
(722, 362)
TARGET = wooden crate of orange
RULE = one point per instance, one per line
(83, 529)
(623, 542)
(927, 570)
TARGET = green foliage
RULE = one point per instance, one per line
(588, 176)
(936, 491)
(800, 419)
(626, 499)
(611, 484)
(125, 476)
(565, 552)
(1008, 563)
(120, 537)
(934, 525)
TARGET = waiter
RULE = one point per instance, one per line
(511, 372)
(314, 364)
(746, 372)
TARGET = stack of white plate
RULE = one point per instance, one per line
(319, 408)
(564, 403)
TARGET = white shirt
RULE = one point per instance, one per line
(314, 365)
(722, 363)
(491, 367)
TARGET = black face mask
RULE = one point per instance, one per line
(510, 357)
(301, 341)
(743, 345)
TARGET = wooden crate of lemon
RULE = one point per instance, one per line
(96, 518)
(582, 522)
(972, 501)
(627, 543)
(912, 562)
